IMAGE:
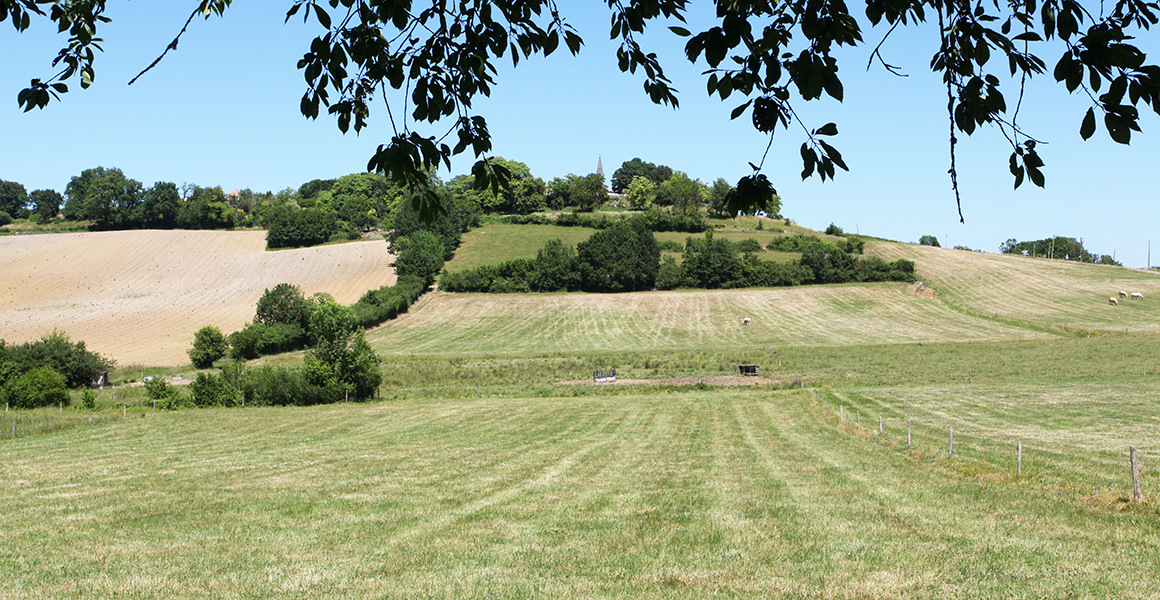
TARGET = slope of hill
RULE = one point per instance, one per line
(696, 319)
(138, 296)
(1047, 292)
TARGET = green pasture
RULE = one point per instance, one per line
(736, 493)
(496, 243)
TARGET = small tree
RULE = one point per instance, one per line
(928, 240)
(641, 193)
(89, 400)
(283, 304)
(208, 345)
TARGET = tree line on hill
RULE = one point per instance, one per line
(627, 257)
(1057, 247)
(323, 210)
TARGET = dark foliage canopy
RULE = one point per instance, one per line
(431, 59)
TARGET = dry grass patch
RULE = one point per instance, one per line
(1050, 292)
(139, 296)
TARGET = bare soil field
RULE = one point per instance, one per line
(139, 296)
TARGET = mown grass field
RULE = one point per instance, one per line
(739, 493)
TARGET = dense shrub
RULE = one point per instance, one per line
(709, 261)
(273, 386)
(670, 275)
(670, 246)
(258, 339)
(40, 386)
(5, 218)
(448, 225)
(749, 245)
(308, 227)
(160, 390)
(554, 269)
(419, 254)
(208, 345)
(622, 258)
(685, 221)
(284, 304)
(55, 351)
(834, 230)
(213, 390)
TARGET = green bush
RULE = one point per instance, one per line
(670, 275)
(57, 352)
(554, 269)
(159, 389)
(709, 261)
(307, 227)
(670, 246)
(622, 258)
(419, 254)
(209, 345)
(284, 304)
(750, 245)
(40, 386)
(213, 390)
(5, 218)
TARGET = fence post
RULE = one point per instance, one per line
(14, 433)
(1131, 458)
(841, 413)
(950, 442)
(859, 419)
(908, 432)
(1018, 459)
(90, 416)
(879, 424)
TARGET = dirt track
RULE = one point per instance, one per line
(139, 296)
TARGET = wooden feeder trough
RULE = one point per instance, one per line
(748, 370)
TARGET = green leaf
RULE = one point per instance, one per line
(681, 31)
(827, 129)
(1088, 127)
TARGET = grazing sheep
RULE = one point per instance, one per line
(746, 321)
(1123, 294)
(1112, 300)
(1137, 296)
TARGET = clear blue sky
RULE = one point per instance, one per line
(223, 110)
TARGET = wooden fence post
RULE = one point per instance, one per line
(1131, 457)
(859, 419)
(950, 442)
(841, 413)
(908, 432)
(1018, 459)
(879, 424)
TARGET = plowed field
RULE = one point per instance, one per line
(139, 296)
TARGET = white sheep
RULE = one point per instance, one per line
(1137, 296)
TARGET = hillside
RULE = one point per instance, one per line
(1046, 292)
(139, 296)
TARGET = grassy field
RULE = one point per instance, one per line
(739, 493)
(486, 471)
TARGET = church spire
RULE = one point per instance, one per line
(599, 167)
